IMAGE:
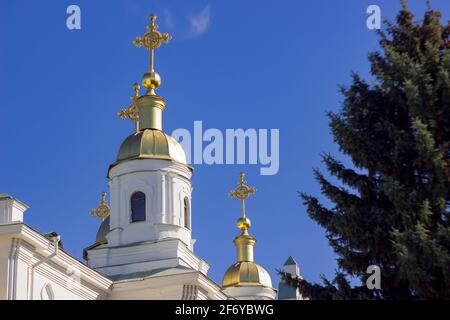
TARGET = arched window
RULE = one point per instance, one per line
(187, 216)
(47, 292)
(138, 207)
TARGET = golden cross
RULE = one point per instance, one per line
(152, 39)
(132, 111)
(242, 192)
(102, 211)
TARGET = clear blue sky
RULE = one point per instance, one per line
(258, 64)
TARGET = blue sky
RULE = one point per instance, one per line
(231, 64)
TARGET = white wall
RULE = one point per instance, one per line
(62, 277)
(5, 245)
(165, 185)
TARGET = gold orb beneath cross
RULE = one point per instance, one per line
(151, 80)
(243, 223)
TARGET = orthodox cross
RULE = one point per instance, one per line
(152, 39)
(102, 211)
(242, 192)
(132, 111)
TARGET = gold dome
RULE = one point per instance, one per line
(246, 273)
(151, 80)
(151, 144)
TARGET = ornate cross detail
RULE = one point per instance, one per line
(242, 192)
(152, 39)
(102, 211)
(132, 111)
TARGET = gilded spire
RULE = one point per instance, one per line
(245, 272)
(242, 192)
(152, 40)
(132, 111)
(146, 110)
(102, 211)
(244, 242)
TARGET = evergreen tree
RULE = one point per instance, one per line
(392, 209)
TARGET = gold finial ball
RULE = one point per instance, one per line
(243, 223)
(151, 80)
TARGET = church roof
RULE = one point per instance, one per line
(151, 144)
(5, 196)
(246, 273)
(103, 230)
(151, 273)
(290, 261)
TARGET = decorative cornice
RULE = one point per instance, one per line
(43, 245)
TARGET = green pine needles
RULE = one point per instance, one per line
(396, 131)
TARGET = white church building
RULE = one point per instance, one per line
(144, 247)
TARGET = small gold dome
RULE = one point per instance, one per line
(151, 80)
(243, 223)
(246, 273)
(151, 144)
